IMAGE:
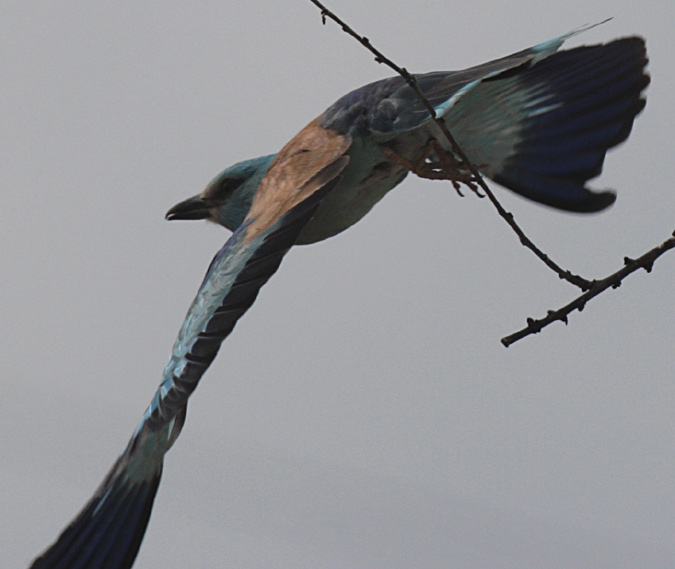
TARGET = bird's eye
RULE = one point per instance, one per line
(226, 188)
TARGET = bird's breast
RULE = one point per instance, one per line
(365, 181)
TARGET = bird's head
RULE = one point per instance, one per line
(228, 197)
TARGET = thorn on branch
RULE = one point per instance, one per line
(553, 315)
(597, 287)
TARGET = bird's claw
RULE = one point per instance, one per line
(437, 163)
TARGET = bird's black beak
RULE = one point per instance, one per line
(195, 207)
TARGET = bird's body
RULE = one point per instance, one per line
(538, 122)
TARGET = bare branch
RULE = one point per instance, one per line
(450, 168)
(576, 280)
(614, 280)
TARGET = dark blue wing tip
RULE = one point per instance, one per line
(596, 201)
(597, 92)
(557, 193)
(592, 202)
(108, 532)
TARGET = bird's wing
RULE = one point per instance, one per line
(539, 122)
(391, 106)
(107, 533)
(545, 131)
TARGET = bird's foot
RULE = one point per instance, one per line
(437, 163)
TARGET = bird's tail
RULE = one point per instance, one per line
(107, 533)
(544, 131)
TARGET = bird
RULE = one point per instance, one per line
(539, 122)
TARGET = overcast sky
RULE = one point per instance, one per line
(363, 414)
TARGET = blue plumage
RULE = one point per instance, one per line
(107, 533)
(588, 98)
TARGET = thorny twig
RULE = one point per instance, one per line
(591, 288)
(576, 280)
(645, 262)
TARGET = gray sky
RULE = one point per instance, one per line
(363, 414)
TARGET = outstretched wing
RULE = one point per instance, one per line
(545, 132)
(107, 533)
(391, 106)
(539, 122)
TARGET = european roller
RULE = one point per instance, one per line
(538, 122)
